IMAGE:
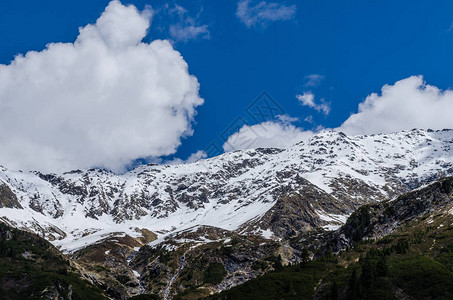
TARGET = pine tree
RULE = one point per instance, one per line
(381, 267)
(305, 257)
(367, 277)
(3, 247)
(334, 291)
(353, 290)
(278, 263)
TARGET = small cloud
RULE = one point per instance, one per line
(309, 119)
(185, 27)
(262, 13)
(272, 134)
(192, 158)
(196, 156)
(180, 32)
(179, 10)
(308, 99)
(287, 119)
(313, 80)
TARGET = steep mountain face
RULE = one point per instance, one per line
(315, 183)
(7, 198)
(381, 219)
(296, 212)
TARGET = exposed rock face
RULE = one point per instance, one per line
(107, 264)
(186, 259)
(7, 198)
(380, 219)
(303, 211)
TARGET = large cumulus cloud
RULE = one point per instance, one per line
(102, 101)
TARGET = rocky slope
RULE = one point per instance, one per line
(376, 221)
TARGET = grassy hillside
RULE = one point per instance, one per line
(31, 268)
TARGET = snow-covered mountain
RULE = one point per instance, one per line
(315, 183)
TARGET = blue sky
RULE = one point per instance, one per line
(349, 49)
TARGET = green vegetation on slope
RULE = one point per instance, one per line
(31, 268)
(416, 262)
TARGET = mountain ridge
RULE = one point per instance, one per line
(228, 191)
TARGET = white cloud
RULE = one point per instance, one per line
(200, 154)
(262, 13)
(285, 119)
(278, 134)
(313, 80)
(309, 119)
(196, 156)
(186, 32)
(308, 99)
(102, 101)
(409, 103)
(187, 27)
